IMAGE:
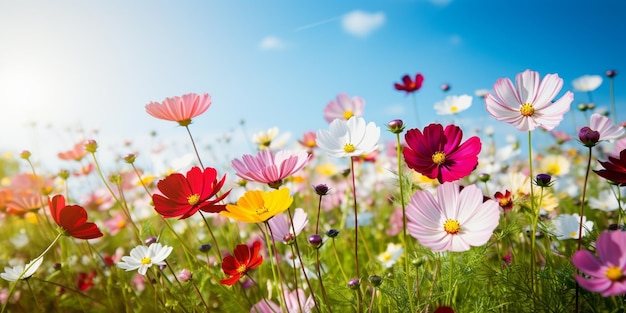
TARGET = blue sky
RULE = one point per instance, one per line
(93, 65)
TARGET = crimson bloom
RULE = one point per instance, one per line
(438, 153)
(408, 85)
(180, 109)
(504, 200)
(72, 219)
(184, 195)
(85, 280)
(614, 169)
(245, 259)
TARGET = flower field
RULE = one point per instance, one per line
(437, 220)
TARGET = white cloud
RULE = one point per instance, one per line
(361, 24)
(271, 43)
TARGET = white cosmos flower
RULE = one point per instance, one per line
(605, 201)
(391, 255)
(142, 257)
(587, 83)
(566, 226)
(21, 272)
(349, 138)
(453, 104)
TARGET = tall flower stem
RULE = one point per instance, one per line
(404, 241)
(271, 249)
(581, 212)
(534, 216)
(356, 221)
(297, 253)
(195, 149)
(217, 246)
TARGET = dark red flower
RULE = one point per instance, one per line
(614, 169)
(444, 309)
(504, 200)
(410, 85)
(72, 219)
(438, 153)
(184, 196)
(244, 260)
(85, 280)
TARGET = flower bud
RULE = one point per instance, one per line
(91, 145)
(445, 87)
(130, 158)
(395, 126)
(205, 247)
(316, 241)
(582, 107)
(484, 177)
(588, 137)
(25, 154)
(354, 284)
(375, 280)
(543, 180)
(150, 240)
(332, 233)
(610, 73)
(184, 275)
(64, 174)
(321, 189)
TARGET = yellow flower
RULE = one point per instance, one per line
(257, 206)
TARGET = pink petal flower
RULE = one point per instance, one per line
(180, 109)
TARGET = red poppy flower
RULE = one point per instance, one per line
(614, 169)
(438, 153)
(184, 196)
(244, 260)
(410, 85)
(504, 200)
(72, 219)
(85, 280)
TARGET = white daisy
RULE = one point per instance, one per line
(566, 226)
(453, 104)
(349, 138)
(21, 272)
(391, 255)
(587, 83)
(142, 257)
(605, 201)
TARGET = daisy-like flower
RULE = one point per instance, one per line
(308, 140)
(344, 108)
(453, 104)
(614, 169)
(269, 139)
(587, 83)
(349, 138)
(504, 200)
(605, 201)
(180, 109)
(269, 168)
(605, 128)
(604, 274)
(529, 105)
(76, 154)
(143, 257)
(555, 165)
(72, 219)
(391, 255)
(183, 195)
(409, 85)
(244, 259)
(293, 300)
(454, 221)
(566, 226)
(438, 153)
(257, 206)
(18, 272)
(282, 229)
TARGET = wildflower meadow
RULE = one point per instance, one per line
(442, 219)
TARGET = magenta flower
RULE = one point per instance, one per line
(269, 168)
(454, 221)
(344, 108)
(529, 104)
(605, 274)
(438, 153)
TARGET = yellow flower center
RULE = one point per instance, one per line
(439, 157)
(573, 234)
(347, 114)
(527, 109)
(146, 260)
(242, 268)
(349, 148)
(504, 202)
(262, 211)
(452, 227)
(386, 256)
(614, 273)
(121, 224)
(454, 108)
(184, 122)
(553, 169)
(193, 199)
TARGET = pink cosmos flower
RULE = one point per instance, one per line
(605, 274)
(529, 105)
(180, 109)
(77, 153)
(605, 127)
(344, 108)
(269, 168)
(438, 153)
(454, 221)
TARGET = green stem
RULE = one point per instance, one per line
(356, 220)
(271, 250)
(195, 149)
(581, 212)
(534, 216)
